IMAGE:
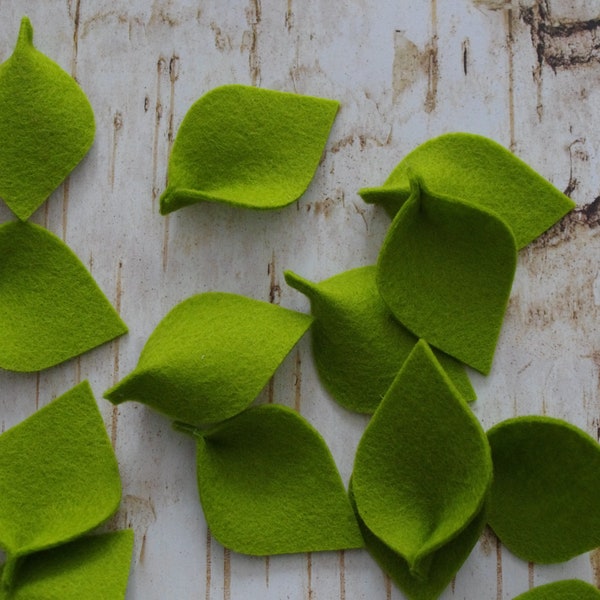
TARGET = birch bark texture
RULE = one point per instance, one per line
(523, 72)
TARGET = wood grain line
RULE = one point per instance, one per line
(310, 591)
(158, 111)
(511, 75)
(226, 574)
(267, 570)
(531, 574)
(117, 126)
(498, 569)
(388, 586)
(298, 382)
(37, 390)
(76, 22)
(342, 563)
(208, 569)
(433, 69)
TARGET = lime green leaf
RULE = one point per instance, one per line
(569, 589)
(211, 356)
(50, 307)
(90, 568)
(479, 171)
(268, 485)
(444, 563)
(445, 270)
(248, 147)
(358, 345)
(546, 490)
(423, 466)
(58, 475)
(46, 126)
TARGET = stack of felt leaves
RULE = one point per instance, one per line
(50, 307)
(59, 480)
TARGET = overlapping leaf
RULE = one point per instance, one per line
(50, 307)
(247, 146)
(211, 356)
(480, 172)
(423, 466)
(445, 270)
(569, 589)
(357, 344)
(268, 485)
(46, 126)
(546, 490)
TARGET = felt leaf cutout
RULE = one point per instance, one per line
(423, 467)
(46, 126)
(89, 568)
(445, 270)
(268, 485)
(546, 491)
(211, 356)
(444, 564)
(58, 476)
(248, 147)
(479, 171)
(569, 589)
(50, 307)
(357, 344)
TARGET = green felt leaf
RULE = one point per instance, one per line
(445, 270)
(90, 568)
(50, 307)
(46, 126)
(479, 171)
(569, 589)
(211, 356)
(247, 146)
(358, 345)
(423, 467)
(268, 485)
(444, 563)
(58, 476)
(546, 490)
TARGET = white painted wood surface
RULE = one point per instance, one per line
(526, 73)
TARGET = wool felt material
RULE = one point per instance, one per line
(445, 562)
(569, 589)
(46, 126)
(480, 171)
(423, 467)
(268, 485)
(546, 490)
(445, 270)
(58, 477)
(50, 307)
(248, 147)
(358, 345)
(211, 356)
(92, 567)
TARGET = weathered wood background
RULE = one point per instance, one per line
(524, 72)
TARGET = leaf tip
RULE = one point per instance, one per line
(25, 33)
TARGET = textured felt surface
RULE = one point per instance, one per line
(268, 485)
(546, 491)
(445, 270)
(444, 563)
(569, 589)
(423, 466)
(91, 568)
(46, 126)
(58, 476)
(247, 146)
(50, 307)
(211, 356)
(357, 344)
(482, 172)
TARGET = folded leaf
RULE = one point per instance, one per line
(423, 467)
(268, 485)
(46, 126)
(58, 476)
(444, 563)
(546, 491)
(357, 344)
(248, 147)
(90, 568)
(569, 589)
(445, 271)
(211, 356)
(50, 307)
(481, 172)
